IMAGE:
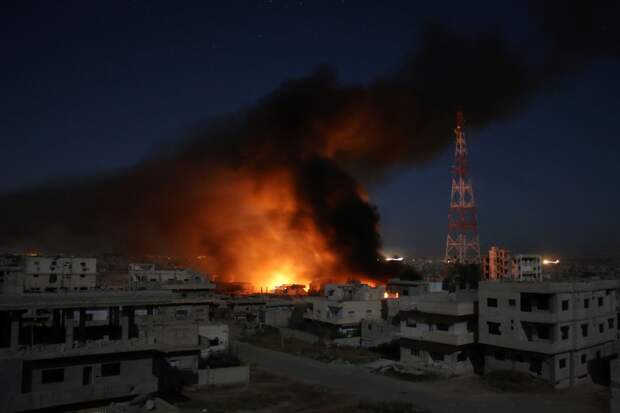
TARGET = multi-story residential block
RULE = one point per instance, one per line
(496, 265)
(526, 267)
(440, 332)
(183, 280)
(95, 346)
(550, 329)
(24, 274)
(344, 306)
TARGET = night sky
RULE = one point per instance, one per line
(94, 87)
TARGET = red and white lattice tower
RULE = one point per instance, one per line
(462, 244)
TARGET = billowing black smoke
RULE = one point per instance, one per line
(287, 164)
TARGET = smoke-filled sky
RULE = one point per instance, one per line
(91, 89)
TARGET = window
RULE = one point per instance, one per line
(586, 303)
(584, 358)
(543, 332)
(499, 355)
(52, 376)
(562, 363)
(564, 305)
(436, 356)
(494, 328)
(491, 302)
(512, 302)
(601, 328)
(87, 375)
(536, 366)
(601, 301)
(598, 354)
(110, 369)
(564, 332)
(411, 323)
(443, 327)
(610, 323)
(584, 330)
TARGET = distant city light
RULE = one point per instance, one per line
(394, 258)
(548, 262)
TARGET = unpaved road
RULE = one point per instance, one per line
(463, 395)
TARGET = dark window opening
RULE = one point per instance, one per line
(586, 303)
(543, 332)
(584, 330)
(52, 376)
(491, 302)
(601, 301)
(494, 328)
(584, 358)
(601, 328)
(610, 323)
(562, 363)
(564, 331)
(443, 327)
(512, 302)
(110, 369)
(87, 374)
(437, 356)
(564, 305)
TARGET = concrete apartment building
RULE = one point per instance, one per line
(64, 347)
(148, 277)
(19, 274)
(496, 265)
(438, 334)
(499, 264)
(549, 329)
(344, 306)
(526, 267)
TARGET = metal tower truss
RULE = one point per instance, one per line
(462, 243)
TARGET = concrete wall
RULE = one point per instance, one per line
(560, 370)
(345, 312)
(614, 386)
(600, 316)
(376, 332)
(136, 377)
(276, 316)
(445, 364)
(299, 335)
(224, 376)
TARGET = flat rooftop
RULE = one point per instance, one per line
(548, 287)
(95, 299)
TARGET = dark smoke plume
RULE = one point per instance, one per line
(281, 174)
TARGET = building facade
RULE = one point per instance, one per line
(34, 274)
(61, 349)
(549, 329)
(344, 306)
(439, 333)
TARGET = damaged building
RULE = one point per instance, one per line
(63, 348)
(548, 329)
(439, 333)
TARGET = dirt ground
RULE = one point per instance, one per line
(466, 394)
(272, 340)
(269, 393)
